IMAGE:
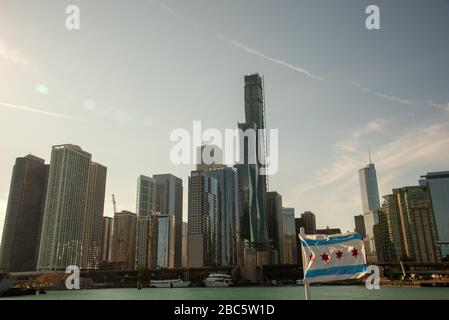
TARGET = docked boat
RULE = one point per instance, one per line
(299, 282)
(172, 283)
(7, 289)
(218, 280)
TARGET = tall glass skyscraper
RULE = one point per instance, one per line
(370, 205)
(255, 120)
(438, 184)
(368, 188)
(21, 232)
(228, 219)
(290, 247)
(169, 201)
(145, 204)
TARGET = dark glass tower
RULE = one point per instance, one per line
(21, 232)
(255, 119)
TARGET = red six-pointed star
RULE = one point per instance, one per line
(311, 257)
(355, 252)
(325, 257)
(339, 254)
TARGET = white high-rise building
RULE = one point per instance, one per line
(370, 204)
(62, 227)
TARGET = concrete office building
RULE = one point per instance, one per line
(419, 231)
(202, 220)
(106, 252)
(124, 240)
(22, 228)
(93, 219)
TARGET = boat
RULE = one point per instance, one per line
(171, 283)
(218, 280)
(7, 289)
(299, 282)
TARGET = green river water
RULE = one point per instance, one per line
(250, 293)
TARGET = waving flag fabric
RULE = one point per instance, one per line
(334, 257)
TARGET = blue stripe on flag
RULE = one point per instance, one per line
(335, 271)
(334, 240)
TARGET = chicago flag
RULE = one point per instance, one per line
(334, 257)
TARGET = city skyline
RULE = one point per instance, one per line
(124, 125)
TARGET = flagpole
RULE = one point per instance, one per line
(304, 262)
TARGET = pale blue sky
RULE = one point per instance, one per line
(151, 67)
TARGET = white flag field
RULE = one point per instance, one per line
(334, 257)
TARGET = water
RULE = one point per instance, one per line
(249, 293)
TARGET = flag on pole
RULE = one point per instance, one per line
(334, 257)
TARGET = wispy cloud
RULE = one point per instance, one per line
(419, 144)
(345, 162)
(48, 113)
(267, 58)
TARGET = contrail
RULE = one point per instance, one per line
(53, 114)
(261, 55)
(242, 46)
(265, 57)
(400, 100)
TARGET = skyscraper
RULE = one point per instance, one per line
(185, 230)
(124, 240)
(359, 222)
(309, 222)
(21, 232)
(93, 219)
(106, 252)
(255, 183)
(290, 244)
(228, 218)
(370, 204)
(169, 201)
(163, 240)
(388, 232)
(438, 184)
(419, 232)
(275, 226)
(65, 207)
(202, 219)
(145, 204)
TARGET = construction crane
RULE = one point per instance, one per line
(114, 203)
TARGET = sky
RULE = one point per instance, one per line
(137, 70)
